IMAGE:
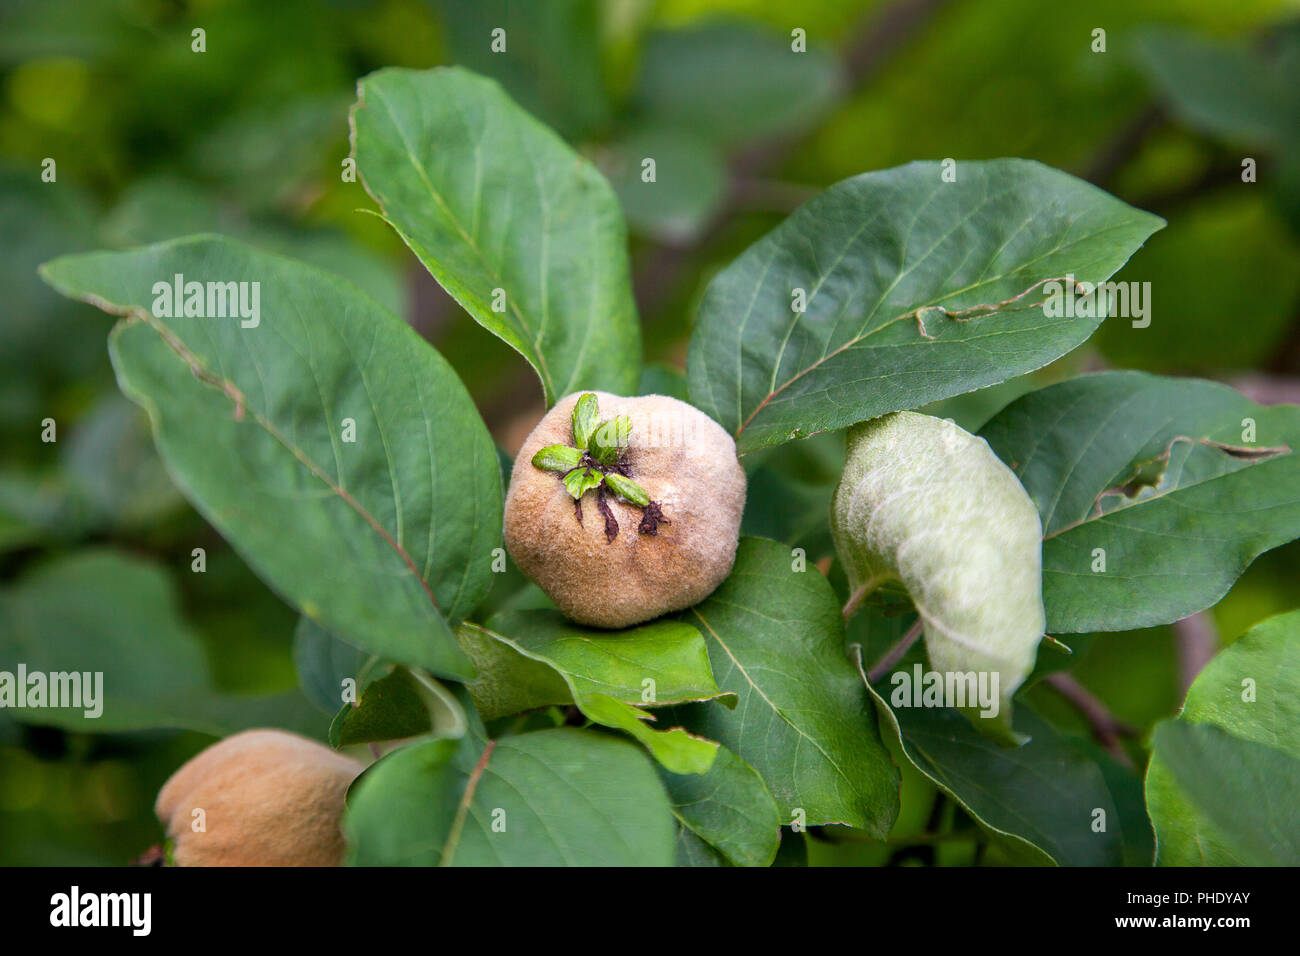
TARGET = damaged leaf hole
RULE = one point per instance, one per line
(597, 461)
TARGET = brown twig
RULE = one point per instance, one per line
(894, 654)
(1105, 727)
(1195, 640)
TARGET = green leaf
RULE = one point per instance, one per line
(559, 458)
(611, 676)
(729, 808)
(1162, 480)
(566, 92)
(882, 256)
(692, 851)
(324, 663)
(586, 412)
(383, 539)
(101, 612)
(757, 86)
(674, 748)
(926, 503)
(1223, 776)
(804, 722)
(1040, 798)
(609, 440)
(627, 489)
(689, 183)
(1226, 90)
(508, 682)
(503, 213)
(396, 705)
(582, 480)
(560, 797)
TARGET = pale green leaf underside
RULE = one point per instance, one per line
(1207, 501)
(490, 199)
(1222, 780)
(871, 251)
(384, 539)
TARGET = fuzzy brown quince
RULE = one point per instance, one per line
(624, 509)
(268, 798)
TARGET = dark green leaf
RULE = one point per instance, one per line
(383, 539)
(1041, 797)
(100, 612)
(729, 808)
(324, 663)
(521, 231)
(914, 289)
(731, 82)
(1159, 478)
(804, 722)
(559, 797)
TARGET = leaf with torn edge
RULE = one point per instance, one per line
(897, 288)
(925, 503)
(1155, 493)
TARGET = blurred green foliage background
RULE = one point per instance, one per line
(153, 140)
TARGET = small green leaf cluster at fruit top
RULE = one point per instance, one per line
(597, 463)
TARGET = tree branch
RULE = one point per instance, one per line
(1105, 728)
(894, 654)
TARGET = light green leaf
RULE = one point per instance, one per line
(804, 722)
(1155, 494)
(609, 440)
(628, 489)
(914, 289)
(566, 797)
(503, 213)
(582, 480)
(101, 612)
(1222, 780)
(729, 808)
(928, 504)
(586, 413)
(559, 458)
(673, 747)
(383, 535)
(610, 675)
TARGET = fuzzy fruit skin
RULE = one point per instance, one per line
(685, 461)
(271, 799)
